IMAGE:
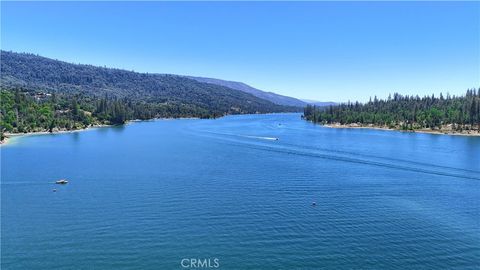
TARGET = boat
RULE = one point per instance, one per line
(61, 182)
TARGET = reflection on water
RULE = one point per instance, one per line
(118, 128)
(75, 136)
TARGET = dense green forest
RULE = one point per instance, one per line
(42, 94)
(26, 111)
(405, 112)
(35, 73)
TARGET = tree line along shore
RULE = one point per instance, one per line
(34, 112)
(40, 94)
(433, 114)
(23, 111)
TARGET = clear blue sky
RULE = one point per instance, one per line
(328, 51)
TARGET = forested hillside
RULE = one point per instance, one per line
(33, 72)
(23, 111)
(39, 92)
(273, 97)
(406, 112)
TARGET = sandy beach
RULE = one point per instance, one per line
(429, 131)
(9, 136)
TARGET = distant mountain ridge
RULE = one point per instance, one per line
(319, 103)
(270, 96)
(36, 73)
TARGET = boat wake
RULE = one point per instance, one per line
(261, 138)
(345, 156)
(244, 136)
(25, 183)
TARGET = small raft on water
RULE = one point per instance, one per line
(61, 182)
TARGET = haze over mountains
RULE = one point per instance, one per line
(36, 73)
(319, 103)
(275, 98)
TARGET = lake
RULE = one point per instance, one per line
(156, 194)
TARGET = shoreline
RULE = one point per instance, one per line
(9, 136)
(424, 131)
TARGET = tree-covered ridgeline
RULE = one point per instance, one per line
(176, 93)
(42, 94)
(29, 111)
(456, 113)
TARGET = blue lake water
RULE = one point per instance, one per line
(149, 194)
